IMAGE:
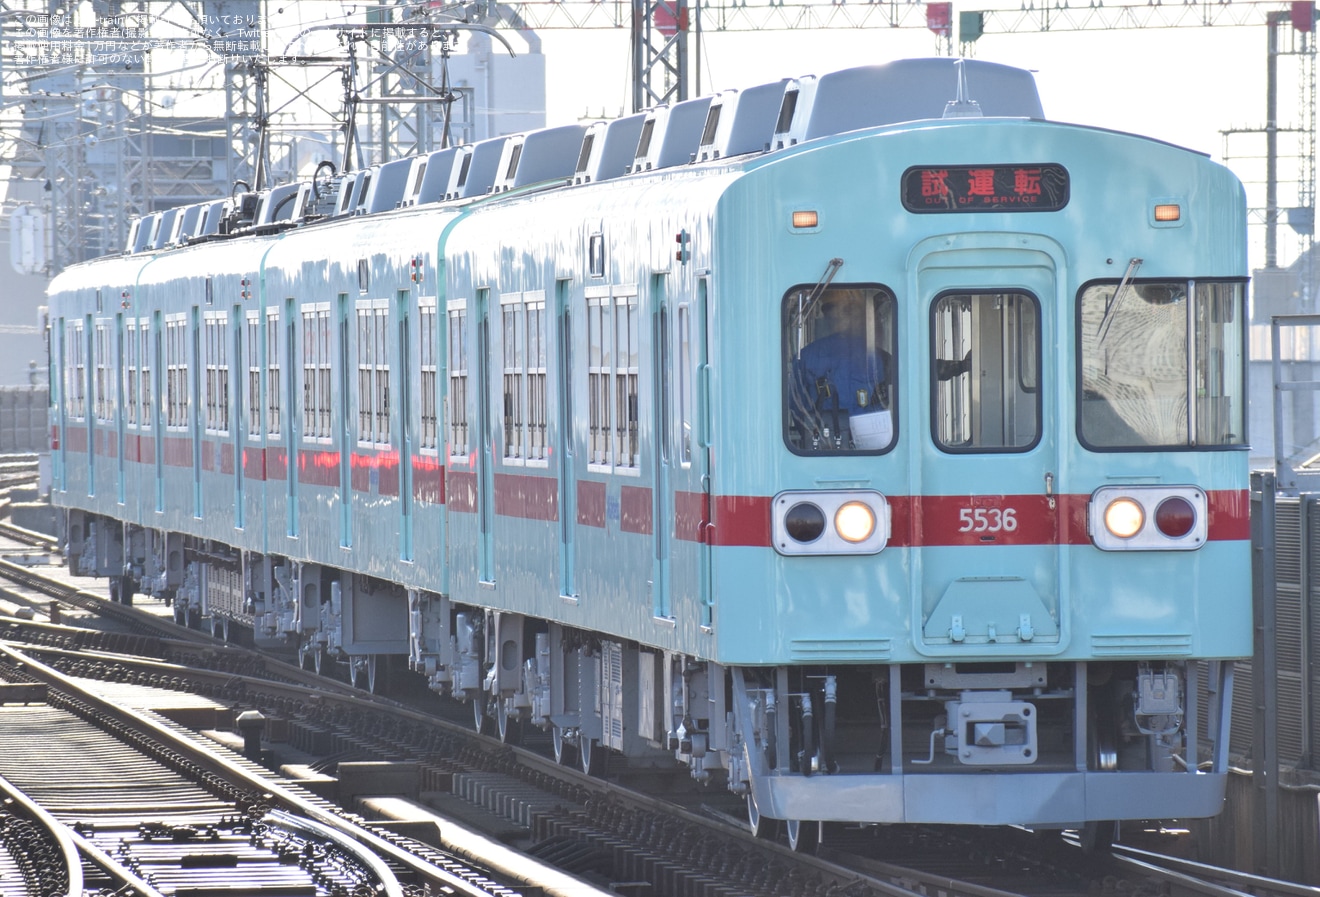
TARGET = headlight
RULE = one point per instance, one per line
(1118, 518)
(835, 522)
(1124, 518)
(854, 522)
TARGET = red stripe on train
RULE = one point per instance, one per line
(967, 520)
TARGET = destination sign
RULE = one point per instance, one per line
(986, 188)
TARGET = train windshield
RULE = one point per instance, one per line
(1158, 370)
(838, 369)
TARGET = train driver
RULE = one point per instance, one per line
(841, 375)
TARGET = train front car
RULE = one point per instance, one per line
(981, 537)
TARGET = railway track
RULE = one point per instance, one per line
(157, 809)
(488, 799)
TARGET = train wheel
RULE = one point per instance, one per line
(373, 673)
(761, 826)
(479, 713)
(509, 726)
(803, 835)
(563, 750)
(591, 756)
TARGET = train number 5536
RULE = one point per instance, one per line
(987, 520)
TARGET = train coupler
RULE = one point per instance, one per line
(990, 729)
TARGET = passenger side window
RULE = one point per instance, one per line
(985, 351)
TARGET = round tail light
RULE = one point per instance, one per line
(1175, 517)
(804, 522)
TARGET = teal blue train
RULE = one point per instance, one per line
(868, 443)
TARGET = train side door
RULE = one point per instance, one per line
(987, 519)
(347, 430)
(120, 415)
(703, 427)
(58, 374)
(238, 418)
(196, 409)
(158, 407)
(662, 430)
(687, 527)
(405, 427)
(485, 444)
(86, 375)
(566, 455)
(293, 420)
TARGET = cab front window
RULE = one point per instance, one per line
(838, 369)
(1161, 365)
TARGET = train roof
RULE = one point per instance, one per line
(758, 120)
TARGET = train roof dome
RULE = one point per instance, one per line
(475, 168)
(898, 91)
(741, 121)
(608, 148)
(549, 154)
(671, 135)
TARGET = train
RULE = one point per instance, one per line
(868, 443)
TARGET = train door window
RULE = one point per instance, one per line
(599, 363)
(274, 362)
(514, 344)
(428, 439)
(625, 381)
(215, 326)
(534, 311)
(458, 359)
(1158, 370)
(104, 376)
(130, 372)
(838, 369)
(316, 371)
(76, 371)
(252, 350)
(144, 373)
(613, 334)
(985, 361)
(176, 370)
(373, 372)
